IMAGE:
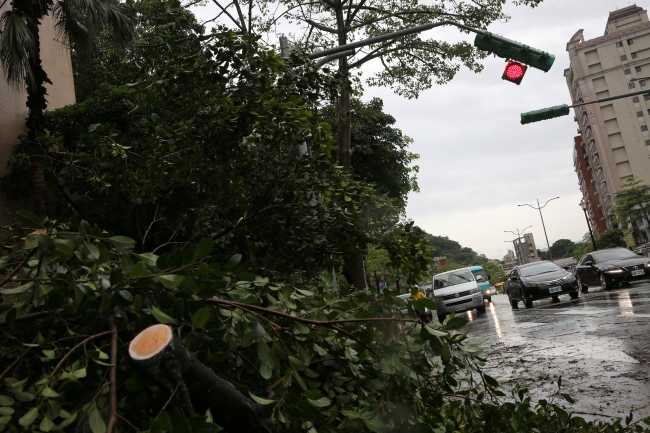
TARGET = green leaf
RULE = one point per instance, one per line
(4, 411)
(203, 248)
(258, 331)
(64, 249)
(17, 290)
(376, 425)
(149, 259)
(234, 261)
(436, 332)
(27, 218)
(46, 245)
(5, 400)
(29, 417)
(491, 381)
(264, 353)
(5, 420)
(46, 425)
(122, 242)
(66, 422)
(321, 402)
(568, 398)
(200, 318)
(138, 270)
(445, 352)
(92, 252)
(50, 393)
(96, 422)
(171, 281)
(260, 400)
(266, 371)
(456, 323)
(160, 316)
(428, 303)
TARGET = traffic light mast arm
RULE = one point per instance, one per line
(506, 47)
(563, 110)
(611, 98)
(390, 36)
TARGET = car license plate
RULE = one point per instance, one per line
(554, 289)
(637, 273)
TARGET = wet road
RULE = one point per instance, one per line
(599, 344)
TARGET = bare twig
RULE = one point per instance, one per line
(71, 351)
(19, 267)
(13, 364)
(112, 418)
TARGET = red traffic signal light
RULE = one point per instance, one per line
(514, 72)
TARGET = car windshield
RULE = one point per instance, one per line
(619, 253)
(452, 279)
(482, 273)
(541, 268)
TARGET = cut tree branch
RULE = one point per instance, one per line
(112, 377)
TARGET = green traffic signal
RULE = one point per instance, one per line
(510, 49)
(544, 114)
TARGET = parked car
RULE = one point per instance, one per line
(457, 291)
(611, 267)
(539, 280)
(426, 316)
(483, 280)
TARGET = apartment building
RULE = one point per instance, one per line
(525, 249)
(614, 137)
(56, 61)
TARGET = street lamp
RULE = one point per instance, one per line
(518, 251)
(583, 205)
(539, 208)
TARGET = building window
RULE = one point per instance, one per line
(627, 72)
(619, 44)
(646, 97)
(631, 85)
(647, 142)
(635, 99)
(642, 83)
(634, 55)
(644, 127)
(630, 41)
(637, 68)
(623, 58)
(639, 114)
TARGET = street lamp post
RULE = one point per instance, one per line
(539, 208)
(583, 205)
(518, 251)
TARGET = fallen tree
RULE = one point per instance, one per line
(83, 314)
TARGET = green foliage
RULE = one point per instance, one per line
(443, 246)
(562, 248)
(409, 64)
(632, 202)
(379, 150)
(581, 249)
(317, 360)
(495, 271)
(610, 239)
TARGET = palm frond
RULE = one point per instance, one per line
(82, 21)
(16, 46)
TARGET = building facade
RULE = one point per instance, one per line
(614, 137)
(55, 57)
(525, 249)
(588, 185)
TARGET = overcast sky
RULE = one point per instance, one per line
(477, 162)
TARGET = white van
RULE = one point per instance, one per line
(457, 291)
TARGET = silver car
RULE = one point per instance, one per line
(457, 291)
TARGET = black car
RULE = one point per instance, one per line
(537, 281)
(610, 267)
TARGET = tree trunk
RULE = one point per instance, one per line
(353, 270)
(344, 129)
(36, 103)
(161, 352)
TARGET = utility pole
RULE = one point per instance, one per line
(539, 208)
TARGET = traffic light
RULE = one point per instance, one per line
(514, 50)
(544, 114)
(514, 72)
